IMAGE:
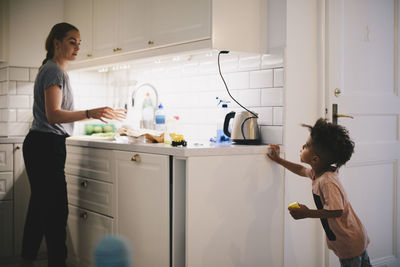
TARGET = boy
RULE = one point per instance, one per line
(327, 149)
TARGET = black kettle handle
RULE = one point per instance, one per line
(228, 117)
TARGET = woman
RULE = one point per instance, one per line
(44, 147)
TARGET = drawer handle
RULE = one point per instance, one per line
(83, 215)
(85, 184)
(150, 42)
(18, 147)
(136, 158)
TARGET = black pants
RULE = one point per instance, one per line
(44, 156)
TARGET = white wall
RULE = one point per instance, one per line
(303, 238)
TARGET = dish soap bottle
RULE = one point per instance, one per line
(147, 113)
(160, 118)
(221, 136)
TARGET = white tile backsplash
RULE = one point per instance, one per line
(278, 77)
(32, 74)
(19, 74)
(261, 78)
(272, 134)
(189, 89)
(18, 101)
(272, 97)
(24, 88)
(3, 74)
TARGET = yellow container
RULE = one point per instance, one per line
(294, 205)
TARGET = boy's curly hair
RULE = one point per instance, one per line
(331, 142)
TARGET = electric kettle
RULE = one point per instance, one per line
(245, 128)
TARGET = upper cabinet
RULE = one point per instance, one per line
(80, 14)
(3, 30)
(121, 30)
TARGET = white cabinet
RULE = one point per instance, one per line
(3, 30)
(6, 201)
(91, 201)
(80, 14)
(142, 189)
(112, 27)
(85, 229)
(234, 211)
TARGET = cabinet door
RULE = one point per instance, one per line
(6, 157)
(105, 23)
(6, 186)
(80, 14)
(142, 214)
(179, 21)
(84, 230)
(6, 226)
(133, 27)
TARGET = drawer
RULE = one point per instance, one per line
(6, 186)
(6, 157)
(91, 163)
(90, 194)
(84, 230)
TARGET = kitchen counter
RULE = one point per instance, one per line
(12, 140)
(196, 149)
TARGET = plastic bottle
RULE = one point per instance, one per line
(221, 137)
(160, 118)
(147, 113)
(170, 128)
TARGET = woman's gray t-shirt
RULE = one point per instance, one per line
(51, 74)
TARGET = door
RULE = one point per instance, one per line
(362, 68)
(142, 182)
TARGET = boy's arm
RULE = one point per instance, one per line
(305, 212)
(273, 154)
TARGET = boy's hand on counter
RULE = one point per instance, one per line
(273, 152)
(299, 213)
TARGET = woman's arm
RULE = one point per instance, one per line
(293, 167)
(54, 113)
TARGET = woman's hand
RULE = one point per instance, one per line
(299, 213)
(273, 152)
(107, 113)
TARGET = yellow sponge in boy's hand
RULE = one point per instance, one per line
(294, 205)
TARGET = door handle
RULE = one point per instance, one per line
(335, 114)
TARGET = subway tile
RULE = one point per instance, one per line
(18, 128)
(238, 80)
(264, 115)
(18, 101)
(3, 74)
(25, 88)
(12, 87)
(272, 97)
(3, 88)
(278, 116)
(249, 63)
(3, 101)
(24, 115)
(261, 78)
(247, 98)
(271, 61)
(278, 77)
(272, 134)
(32, 74)
(19, 74)
(3, 128)
(7, 115)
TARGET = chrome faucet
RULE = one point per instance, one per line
(143, 123)
(138, 89)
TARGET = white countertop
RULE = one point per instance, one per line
(209, 149)
(12, 140)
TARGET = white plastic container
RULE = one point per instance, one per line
(160, 118)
